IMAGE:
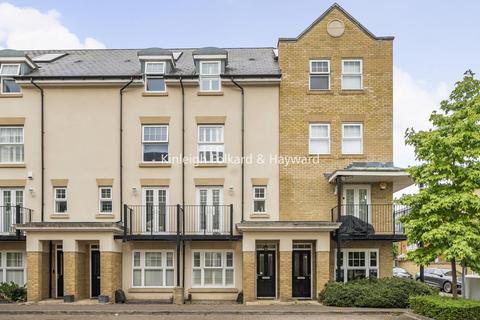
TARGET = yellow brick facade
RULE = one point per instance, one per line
(111, 275)
(249, 276)
(75, 275)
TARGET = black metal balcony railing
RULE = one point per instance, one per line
(370, 219)
(12, 215)
(177, 220)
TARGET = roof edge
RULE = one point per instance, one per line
(348, 15)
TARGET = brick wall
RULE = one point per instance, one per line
(111, 273)
(285, 275)
(75, 275)
(249, 275)
(304, 191)
(37, 276)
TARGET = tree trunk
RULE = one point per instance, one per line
(454, 279)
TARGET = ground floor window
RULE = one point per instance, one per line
(12, 267)
(359, 264)
(153, 269)
(213, 269)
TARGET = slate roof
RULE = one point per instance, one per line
(124, 62)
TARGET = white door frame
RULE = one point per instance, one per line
(209, 213)
(155, 205)
(356, 201)
(13, 199)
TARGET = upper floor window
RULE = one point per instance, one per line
(11, 145)
(319, 138)
(105, 199)
(210, 143)
(60, 199)
(8, 84)
(155, 143)
(259, 199)
(352, 74)
(154, 77)
(352, 138)
(210, 76)
(320, 75)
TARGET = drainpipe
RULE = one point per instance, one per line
(121, 146)
(42, 146)
(50, 256)
(183, 183)
(243, 144)
(339, 240)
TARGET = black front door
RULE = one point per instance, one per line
(301, 275)
(95, 273)
(266, 274)
(59, 273)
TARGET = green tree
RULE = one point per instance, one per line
(445, 213)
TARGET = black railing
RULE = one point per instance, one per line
(194, 220)
(12, 215)
(370, 219)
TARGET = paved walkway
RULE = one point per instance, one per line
(235, 311)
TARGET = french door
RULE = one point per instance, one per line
(210, 201)
(154, 210)
(9, 198)
(357, 201)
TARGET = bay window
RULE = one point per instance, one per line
(11, 145)
(213, 269)
(153, 269)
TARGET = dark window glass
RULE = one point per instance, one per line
(10, 86)
(155, 84)
(319, 82)
(155, 152)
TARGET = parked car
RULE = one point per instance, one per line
(441, 278)
(401, 273)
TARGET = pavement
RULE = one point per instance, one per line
(81, 310)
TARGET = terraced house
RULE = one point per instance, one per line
(121, 168)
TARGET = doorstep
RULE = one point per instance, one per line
(285, 303)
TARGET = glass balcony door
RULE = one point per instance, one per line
(9, 198)
(210, 201)
(356, 200)
(154, 210)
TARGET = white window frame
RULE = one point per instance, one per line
(144, 268)
(220, 144)
(22, 143)
(367, 266)
(4, 268)
(350, 138)
(353, 74)
(310, 138)
(5, 228)
(264, 199)
(210, 76)
(223, 267)
(101, 199)
(155, 142)
(155, 75)
(8, 76)
(55, 199)
(314, 73)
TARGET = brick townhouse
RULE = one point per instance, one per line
(119, 168)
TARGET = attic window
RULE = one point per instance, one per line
(210, 76)
(154, 77)
(49, 57)
(8, 84)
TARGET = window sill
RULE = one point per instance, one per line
(210, 93)
(12, 165)
(210, 165)
(213, 290)
(155, 165)
(262, 215)
(324, 92)
(322, 156)
(104, 216)
(352, 91)
(155, 94)
(60, 216)
(11, 95)
(352, 156)
(150, 290)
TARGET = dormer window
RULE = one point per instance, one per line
(154, 77)
(210, 76)
(8, 84)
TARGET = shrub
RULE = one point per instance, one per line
(445, 308)
(12, 292)
(373, 293)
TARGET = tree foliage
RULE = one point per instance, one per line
(445, 213)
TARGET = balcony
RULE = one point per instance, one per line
(11, 216)
(173, 222)
(370, 221)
